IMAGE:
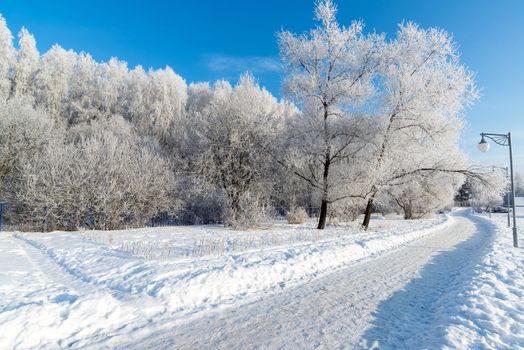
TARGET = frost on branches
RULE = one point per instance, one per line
(330, 72)
(379, 117)
(235, 131)
(367, 123)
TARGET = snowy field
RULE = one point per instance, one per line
(179, 286)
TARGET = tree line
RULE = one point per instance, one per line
(366, 122)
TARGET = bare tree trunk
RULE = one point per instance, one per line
(367, 215)
(408, 213)
(323, 215)
(327, 162)
(325, 194)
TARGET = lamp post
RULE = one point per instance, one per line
(508, 198)
(503, 140)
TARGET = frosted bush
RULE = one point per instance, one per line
(296, 216)
(248, 213)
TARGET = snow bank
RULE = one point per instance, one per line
(488, 310)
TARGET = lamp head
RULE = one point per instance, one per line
(483, 145)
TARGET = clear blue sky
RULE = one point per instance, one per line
(208, 40)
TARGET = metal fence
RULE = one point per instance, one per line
(190, 216)
(215, 215)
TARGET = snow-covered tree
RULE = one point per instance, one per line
(95, 89)
(421, 195)
(105, 178)
(24, 133)
(489, 189)
(133, 102)
(27, 61)
(52, 80)
(97, 144)
(330, 74)
(7, 59)
(166, 99)
(85, 103)
(424, 90)
(235, 129)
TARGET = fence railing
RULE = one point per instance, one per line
(209, 216)
(190, 216)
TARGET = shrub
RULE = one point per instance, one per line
(296, 216)
(249, 212)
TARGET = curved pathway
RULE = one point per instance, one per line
(388, 301)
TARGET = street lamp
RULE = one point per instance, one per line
(483, 145)
(503, 140)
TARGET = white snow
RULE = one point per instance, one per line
(487, 311)
(77, 290)
(392, 301)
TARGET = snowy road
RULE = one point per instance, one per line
(391, 301)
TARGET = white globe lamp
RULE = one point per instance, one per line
(483, 145)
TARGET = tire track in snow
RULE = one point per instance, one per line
(51, 257)
(51, 269)
(63, 310)
(369, 299)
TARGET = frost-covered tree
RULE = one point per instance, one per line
(199, 100)
(489, 190)
(133, 102)
(234, 130)
(421, 195)
(330, 74)
(7, 59)
(166, 103)
(97, 144)
(52, 80)
(74, 162)
(95, 89)
(111, 85)
(424, 90)
(27, 61)
(167, 96)
(24, 133)
(85, 102)
(105, 177)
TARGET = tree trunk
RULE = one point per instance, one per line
(323, 215)
(408, 214)
(325, 177)
(325, 194)
(367, 215)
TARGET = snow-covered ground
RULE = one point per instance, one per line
(452, 281)
(424, 294)
(487, 311)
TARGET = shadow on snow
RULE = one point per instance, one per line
(409, 319)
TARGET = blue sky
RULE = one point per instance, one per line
(209, 40)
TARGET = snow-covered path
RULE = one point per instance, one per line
(447, 283)
(391, 301)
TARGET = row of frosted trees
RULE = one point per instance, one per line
(367, 123)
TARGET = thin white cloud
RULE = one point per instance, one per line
(254, 64)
